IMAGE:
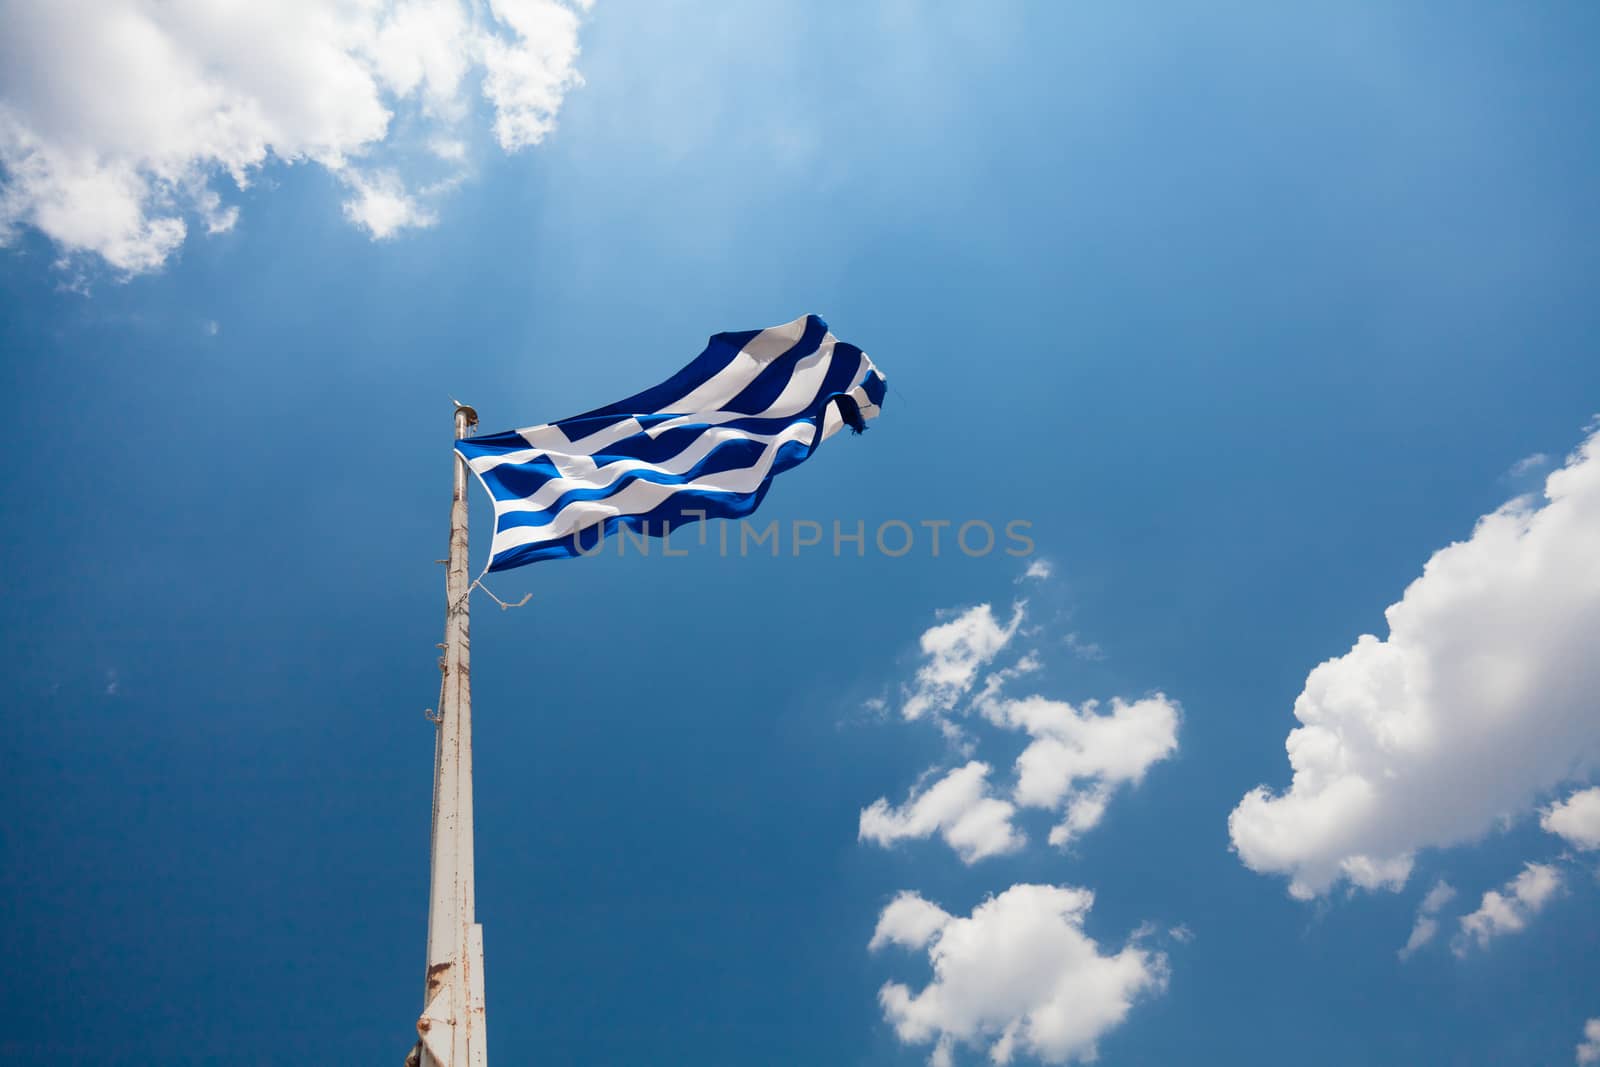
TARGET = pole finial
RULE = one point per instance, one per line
(466, 417)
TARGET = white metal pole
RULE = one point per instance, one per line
(451, 1027)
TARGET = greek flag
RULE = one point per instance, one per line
(705, 443)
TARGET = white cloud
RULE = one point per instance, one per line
(448, 148)
(1039, 570)
(1577, 819)
(1018, 975)
(382, 206)
(1079, 756)
(1528, 464)
(1424, 930)
(958, 807)
(526, 75)
(955, 652)
(1589, 1048)
(1508, 911)
(1441, 894)
(908, 921)
(1076, 760)
(118, 116)
(1427, 924)
(1084, 809)
(997, 680)
(1089, 650)
(1074, 763)
(1481, 698)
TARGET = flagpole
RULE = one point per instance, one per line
(451, 1027)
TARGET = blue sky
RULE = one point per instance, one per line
(1249, 311)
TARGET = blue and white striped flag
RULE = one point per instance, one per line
(705, 443)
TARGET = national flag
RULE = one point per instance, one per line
(707, 442)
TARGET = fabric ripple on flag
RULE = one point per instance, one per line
(706, 443)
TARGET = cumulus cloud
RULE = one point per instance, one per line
(1079, 756)
(1427, 924)
(1076, 759)
(954, 653)
(1576, 819)
(908, 921)
(959, 807)
(1480, 699)
(1017, 975)
(1508, 909)
(120, 118)
(1589, 1047)
(381, 204)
